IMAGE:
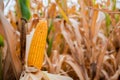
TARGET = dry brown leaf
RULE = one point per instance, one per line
(52, 11)
(100, 61)
(105, 74)
(116, 75)
(1, 5)
(76, 68)
(63, 13)
(72, 10)
(84, 16)
(1, 30)
(94, 19)
(11, 40)
(40, 5)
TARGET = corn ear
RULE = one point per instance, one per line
(37, 46)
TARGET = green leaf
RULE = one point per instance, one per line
(25, 8)
(117, 17)
(1, 41)
(108, 22)
(50, 46)
(50, 41)
(1, 45)
(114, 5)
(50, 27)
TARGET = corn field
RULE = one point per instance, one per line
(59, 40)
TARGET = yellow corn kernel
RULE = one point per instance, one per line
(37, 46)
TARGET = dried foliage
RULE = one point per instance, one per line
(82, 43)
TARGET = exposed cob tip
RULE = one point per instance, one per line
(37, 46)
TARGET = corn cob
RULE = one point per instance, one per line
(37, 46)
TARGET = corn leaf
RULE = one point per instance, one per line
(50, 45)
(9, 32)
(50, 27)
(93, 1)
(95, 15)
(1, 64)
(1, 45)
(63, 13)
(114, 5)
(108, 22)
(64, 5)
(25, 8)
(1, 41)
(117, 17)
(52, 11)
